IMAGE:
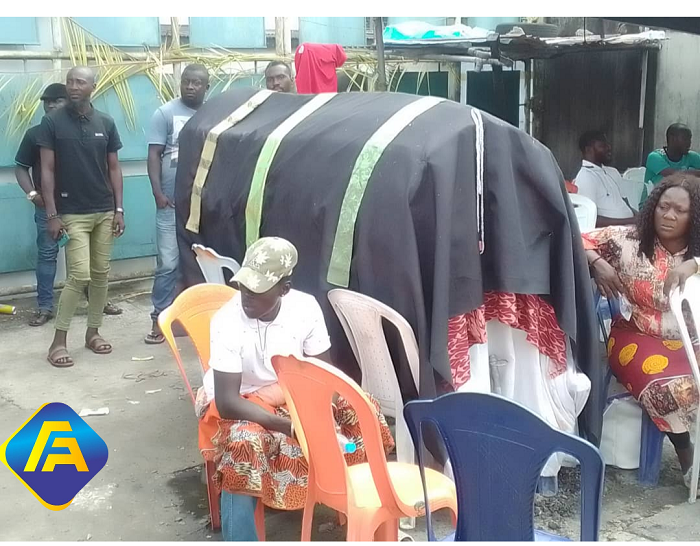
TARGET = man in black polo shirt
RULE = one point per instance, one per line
(27, 158)
(83, 186)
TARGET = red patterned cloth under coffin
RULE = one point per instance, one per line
(525, 312)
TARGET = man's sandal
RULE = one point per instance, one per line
(60, 358)
(41, 318)
(154, 337)
(98, 345)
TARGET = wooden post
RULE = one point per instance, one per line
(177, 66)
(279, 36)
(453, 70)
(379, 43)
(57, 42)
(175, 31)
(528, 96)
(287, 38)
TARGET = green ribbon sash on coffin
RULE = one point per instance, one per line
(253, 211)
(341, 256)
(209, 150)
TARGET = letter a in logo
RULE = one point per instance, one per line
(54, 454)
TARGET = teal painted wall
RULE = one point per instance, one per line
(237, 32)
(481, 94)
(434, 84)
(346, 31)
(12, 86)
(19, 31)
(17, 244)
(139, 239)
(123, 31)
(146, 102)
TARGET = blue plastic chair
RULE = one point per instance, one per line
(652, 441)
(497, 449)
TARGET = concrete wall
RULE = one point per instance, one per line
(678, 86)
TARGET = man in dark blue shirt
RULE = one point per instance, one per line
(83, 190)
(53, 97)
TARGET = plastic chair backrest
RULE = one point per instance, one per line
(212, 264)
(194, 309)
(691, 296)
(634, 179)
(635, 174)
(498, 449)
(361, 318)
(586, 212)
(308, 386)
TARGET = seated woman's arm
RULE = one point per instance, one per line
(231, 405)
(603, 259)
(604, 274)
(677, 277)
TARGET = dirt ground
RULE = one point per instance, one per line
(151, 488)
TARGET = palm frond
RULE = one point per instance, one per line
(23, 108)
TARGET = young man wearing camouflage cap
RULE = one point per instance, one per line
(241, 405)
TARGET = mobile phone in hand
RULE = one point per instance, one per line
(63, 239)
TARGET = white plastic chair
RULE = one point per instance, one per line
(586, 212)
(212, 264)
(634, 185)
(691, 295)
(361, 318)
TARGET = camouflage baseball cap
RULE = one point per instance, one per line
(266, 262)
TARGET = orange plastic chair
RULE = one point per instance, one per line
(194, 309)
(373, 496)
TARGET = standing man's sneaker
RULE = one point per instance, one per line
(41, 317)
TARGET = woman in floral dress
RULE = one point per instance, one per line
(644, 264)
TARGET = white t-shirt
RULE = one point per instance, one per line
(243, 345)
(602, 186)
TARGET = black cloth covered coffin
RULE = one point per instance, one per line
(408, 170)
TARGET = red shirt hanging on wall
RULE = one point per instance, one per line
(315, 66)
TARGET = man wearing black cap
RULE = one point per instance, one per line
(27, 158)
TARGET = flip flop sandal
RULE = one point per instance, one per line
(41, 318)
(112, 310)
(54, 360)
(154, 338)
(98, 345)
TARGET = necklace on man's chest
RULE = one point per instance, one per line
(262, 338)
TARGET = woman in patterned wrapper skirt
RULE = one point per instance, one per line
(644, 264)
